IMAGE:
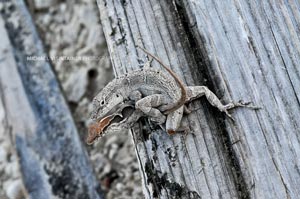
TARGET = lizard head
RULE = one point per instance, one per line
(108, 100)
(96, 130)
(99, 128)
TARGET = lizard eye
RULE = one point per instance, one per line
(102, 102)
(117, 95)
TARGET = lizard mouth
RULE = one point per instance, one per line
(118, 108)
(98, 129)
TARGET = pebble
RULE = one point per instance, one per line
(113, 151)
(111, 140)
(47, 19)
(42, 4)
(63, 7)
(14, 189)
(119, 186)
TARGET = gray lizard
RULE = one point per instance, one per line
(156, 95)
(150, 89)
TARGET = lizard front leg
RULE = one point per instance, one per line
(135, 95)
(148, 105)
(174, 120)
(194, 92)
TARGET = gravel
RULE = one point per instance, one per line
(74, 30)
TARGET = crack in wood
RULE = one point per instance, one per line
(199, 54)
(160, 182)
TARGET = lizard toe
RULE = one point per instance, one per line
(159, 120)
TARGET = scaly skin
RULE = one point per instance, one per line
(182, 99)
(146, 81)
(153, 92)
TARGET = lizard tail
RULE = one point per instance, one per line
(182, 99)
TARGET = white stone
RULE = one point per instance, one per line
(63, 7)
(113, 151)
(14, 189)
(43, 4)
(119, 186)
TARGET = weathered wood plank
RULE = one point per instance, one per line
(254, 51)
(200, 165)
(52, 160)
(244, 50)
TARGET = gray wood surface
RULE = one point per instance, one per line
(52, 160)
(253, 47)
(242, 50)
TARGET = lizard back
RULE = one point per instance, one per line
(147, 81)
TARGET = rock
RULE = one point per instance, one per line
(42, 4)
(47, 19)
(113, 151)
(119, 187)
(107, 169)
(111, 140)
(14, 189)
(99, 161)
(63, 7)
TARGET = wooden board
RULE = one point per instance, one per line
(242, 50)
(253, 49)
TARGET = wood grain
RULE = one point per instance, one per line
(253, 48)
(243, 50)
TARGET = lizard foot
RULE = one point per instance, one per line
(236, 105)
(159, 120)
(241, 104)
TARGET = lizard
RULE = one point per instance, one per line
(99, 129)
(150, 89)
(155, 94)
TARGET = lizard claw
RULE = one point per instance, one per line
(241, 103)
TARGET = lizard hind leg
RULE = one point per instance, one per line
(198, 91)
(148, 105)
